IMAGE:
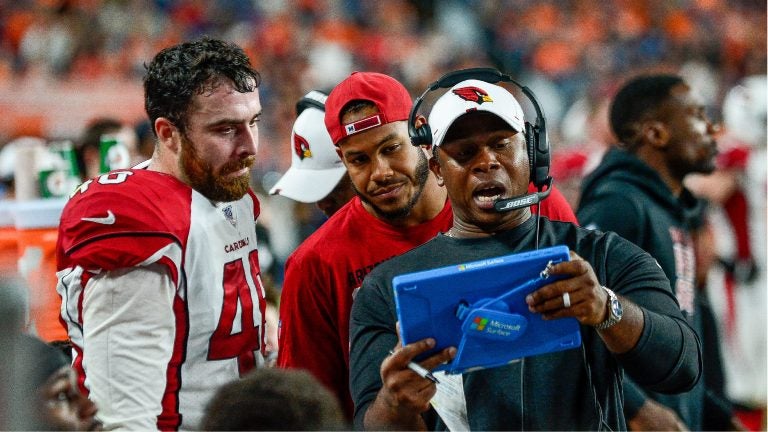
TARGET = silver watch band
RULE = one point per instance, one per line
(611, 319)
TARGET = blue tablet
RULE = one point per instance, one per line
(479, 307)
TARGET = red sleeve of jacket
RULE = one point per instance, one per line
(555, 206)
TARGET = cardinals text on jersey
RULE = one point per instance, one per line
(139, 218)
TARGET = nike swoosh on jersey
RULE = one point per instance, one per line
(109, 220)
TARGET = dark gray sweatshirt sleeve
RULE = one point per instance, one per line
(667, 357)
(677, 371)
(372, 335)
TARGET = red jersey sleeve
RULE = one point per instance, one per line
(122, 219)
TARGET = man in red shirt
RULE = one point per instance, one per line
(399, 205)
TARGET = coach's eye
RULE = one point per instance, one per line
(502, 144)
(465, 153)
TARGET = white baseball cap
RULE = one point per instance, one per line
(315, 167)
(473, 95)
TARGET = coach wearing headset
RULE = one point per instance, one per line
(398, 206)
(483, 157)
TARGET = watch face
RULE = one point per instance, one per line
(616, 309)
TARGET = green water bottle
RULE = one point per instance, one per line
(58, 172)
(113, 154)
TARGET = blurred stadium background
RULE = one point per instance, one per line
(64, 62)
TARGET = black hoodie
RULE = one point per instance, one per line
(627, 196)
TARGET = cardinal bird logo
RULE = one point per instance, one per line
(473, 94)
(301, 147)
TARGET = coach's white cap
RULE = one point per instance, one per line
(315, 167)
(473, 95)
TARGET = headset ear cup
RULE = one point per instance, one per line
(422, 135)
(530, 145)
(542, 158)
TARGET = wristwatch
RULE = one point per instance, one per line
(614, 311)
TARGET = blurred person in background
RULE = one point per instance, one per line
(271, 321)
(145, 138)
(13, 309)
(91, 156)
(88, 147)
(736, 282)
(398, 206)
(9, 160)
(58, 404)
(38, 388)
(316, 175)
(158, 264)
(269, 399)
(568, 171)
(637, 191)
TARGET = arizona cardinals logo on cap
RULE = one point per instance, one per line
(301, 147)
(473, 94)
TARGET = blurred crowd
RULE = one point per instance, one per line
(567, 50)
(55, 54)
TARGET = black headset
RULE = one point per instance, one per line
(313, 99)
(537, 142)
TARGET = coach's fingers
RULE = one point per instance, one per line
(402, 355)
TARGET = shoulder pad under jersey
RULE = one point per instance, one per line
(121, 217)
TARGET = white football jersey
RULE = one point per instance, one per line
(208, 329)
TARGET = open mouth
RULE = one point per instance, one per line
(487, 195)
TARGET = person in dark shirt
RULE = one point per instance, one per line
(637, 191)
(629, 320)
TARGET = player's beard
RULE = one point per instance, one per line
(420, 176)
(200, 174)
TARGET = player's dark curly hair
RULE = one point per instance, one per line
(179, 72)
(638, 99)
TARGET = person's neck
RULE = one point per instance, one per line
(160, 163)
(674, 184)
(658, 163)
(467, 230)
(431, 202)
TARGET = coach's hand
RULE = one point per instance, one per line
(404, 394)
(579, 295)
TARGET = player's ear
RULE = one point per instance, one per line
(167, 134)
(655, 133)
(434, 166)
